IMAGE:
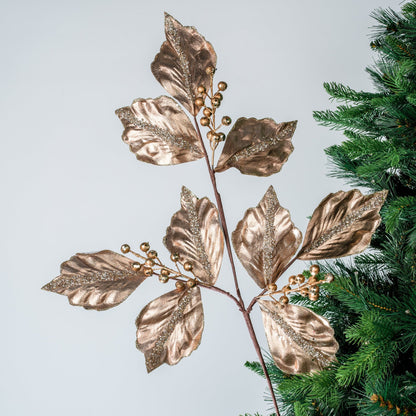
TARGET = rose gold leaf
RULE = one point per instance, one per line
(342, 224)
(96, 280)
(181, 64)
(266, 239)
(195, 234)
(159, 132)
(257, 147)
(300, 341)
(170, 327)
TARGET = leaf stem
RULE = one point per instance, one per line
(245, 312)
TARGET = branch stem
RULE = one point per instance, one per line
(239, 301)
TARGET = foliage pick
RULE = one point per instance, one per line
(158, 131)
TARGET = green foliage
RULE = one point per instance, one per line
(372, 302)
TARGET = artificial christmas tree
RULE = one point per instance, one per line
(372, 303)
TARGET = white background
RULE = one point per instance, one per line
(70, 185)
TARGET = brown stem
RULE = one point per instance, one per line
(246, 313)
(221, 214)
(259, 354)
(224, 292)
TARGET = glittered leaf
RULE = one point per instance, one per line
(170, 327)
(257, 147)
(342, 224)
(195, 234)
(159, 132)
(266, 239)
(181, 64)
(300, 341)
(96, 280)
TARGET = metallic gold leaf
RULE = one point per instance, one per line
(342, 224)
(257, 147)
(195, 234)
(300, 341)
(96, 280)
(170, 327)
(159, 132)
(181, 64)
(266, 239)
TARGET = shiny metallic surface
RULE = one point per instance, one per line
(300, 341)
(170, 327)
(342, 224)
(159, 132)
(97, 280)
(181, 64)
(257, 147)
(266, 239)
(195, 234)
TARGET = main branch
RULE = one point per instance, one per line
(245, 312)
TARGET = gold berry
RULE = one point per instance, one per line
(174, 257)
(188, 266)
(215, 102)
(201, 89)
(314, 269)
(304, 291)
(226, 120)
(199, 102)
(210, 135)
(149, 263)
(314, 290)
(222, 86)
(163, 279)
(329, 277)
(180, 285)
(313, 297)
(207, 112)
(136, 266)
(148, 271)
(292, 280)
(205, 121)
(218, 95)
(272, 287)
(191, 283)
(210, 70)
(220, 137)
(164, 272)
(152, 254)
(125, 248)
(144, 247)
(300, 278)
(284, 300)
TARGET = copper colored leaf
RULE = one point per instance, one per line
(195, 234)
(342, 224)
(181, 64)
(159, 132)
(266, 239)
(257, 147)
(299, 340)
(96, 280)
(170, 327)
